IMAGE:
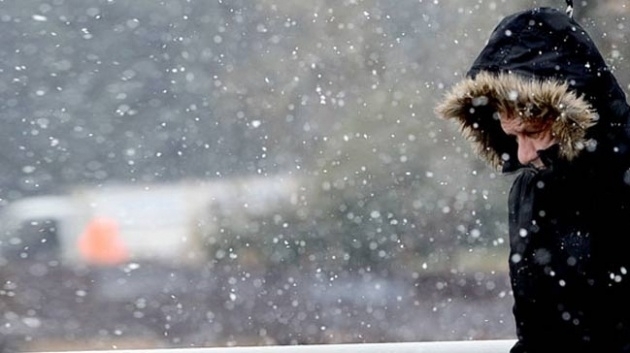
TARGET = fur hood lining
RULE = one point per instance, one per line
(474, 102)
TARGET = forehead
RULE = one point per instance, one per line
(512, 125)
(516, 123)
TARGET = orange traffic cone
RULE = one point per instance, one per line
(100, 243)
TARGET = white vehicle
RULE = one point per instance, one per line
(114, 224)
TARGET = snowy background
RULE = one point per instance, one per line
(392, 231)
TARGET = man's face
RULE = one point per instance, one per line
(531, 137)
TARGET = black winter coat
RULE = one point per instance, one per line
(569, 224)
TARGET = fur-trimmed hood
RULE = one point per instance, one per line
(539, 64)
(473, 103)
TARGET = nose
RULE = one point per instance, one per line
(527, 152)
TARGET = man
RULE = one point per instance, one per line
(540, 102)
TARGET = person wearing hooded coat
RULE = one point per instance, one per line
(569, 219)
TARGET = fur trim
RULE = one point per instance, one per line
(473, 103)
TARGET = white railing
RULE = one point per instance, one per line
(482, 346)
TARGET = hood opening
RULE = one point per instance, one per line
(474, 103)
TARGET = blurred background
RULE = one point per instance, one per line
(186, 173)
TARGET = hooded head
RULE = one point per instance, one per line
(537, 64)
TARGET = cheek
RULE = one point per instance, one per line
(545, 142)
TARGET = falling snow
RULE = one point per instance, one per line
(186, 174)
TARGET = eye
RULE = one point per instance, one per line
(512, 137)
(533, 134)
